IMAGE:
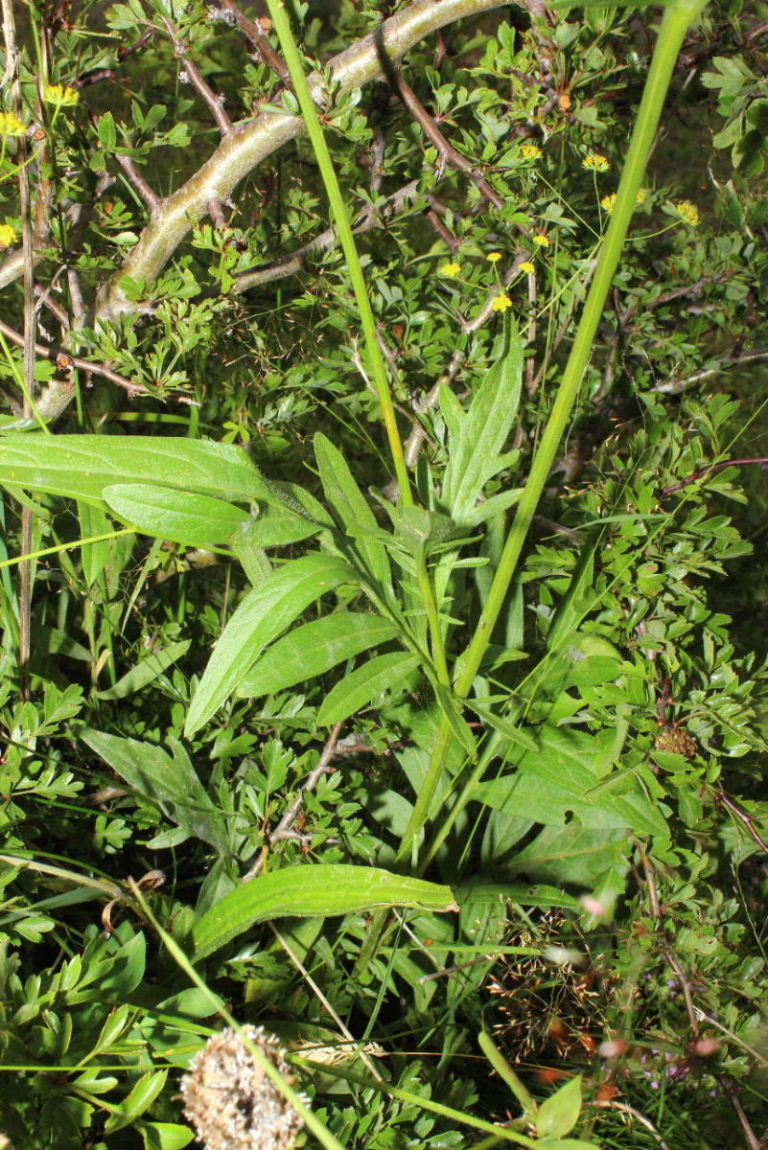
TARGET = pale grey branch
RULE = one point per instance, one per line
(252, 141)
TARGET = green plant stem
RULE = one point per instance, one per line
(296, 1100)
(458, 1117)
(427, 590)
(675, 22)
(346, 239)
(507, 1074)
(67, 546)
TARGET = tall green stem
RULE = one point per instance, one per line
(346, 239)
(677, 18)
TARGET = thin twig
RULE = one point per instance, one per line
(256, 33)
(203, 89)
(66, 361)
(743, 818)
(326, 1003)
(448, 154)
(672, 386)
(372, 217)
(135, 178)
(757, 461)
(309, 784)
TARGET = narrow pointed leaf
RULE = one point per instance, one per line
(352, 509)
(314, 648)
(314, 892)
(146, 671)
(265, 612)
(366, 684)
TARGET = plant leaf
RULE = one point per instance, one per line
(313, 891)
(312, 649)
(552, 783)
(260, 618)
(81, 466)
(140, 1099)
(146, 671)
(478, 435)
(366, 684)
(181, 516)
(559, 1113)
(171, 782)
(352, 509)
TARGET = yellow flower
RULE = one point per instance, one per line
(527, 266)
(451, 269)
(594, 162)
(608, 203)
(7, 235)
(11, 125)
(642, 195)
(541, 240)
(61, 96)
(688, 213)
(530, 151)
(493, 257)
(501, 302)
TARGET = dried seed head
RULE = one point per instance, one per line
(231, 1102)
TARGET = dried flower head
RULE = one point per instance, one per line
(229, 1099)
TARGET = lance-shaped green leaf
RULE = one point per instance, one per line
(478, 435)
(81, 466)
(145, 671)
(352, 510)
(314, 892)
(314, 648)
(366, 684)
(181, 516)
(263, 615)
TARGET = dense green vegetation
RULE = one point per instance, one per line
(382, 578)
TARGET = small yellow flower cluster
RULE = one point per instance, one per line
(540, 240)
(7, 236)
(452, 269)
(493, 257)
(11, 125)
(527, 266)
(61, 96)
(501, 302)
(530, 151)
(594, 162)
(688, 213)
(608, 203)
